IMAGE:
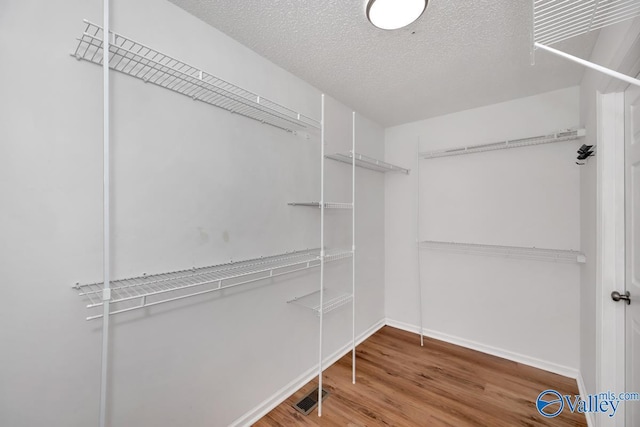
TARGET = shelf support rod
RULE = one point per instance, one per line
(353, 247)
(588, 64)
(106, 215)
(418, 245)
(321, 256)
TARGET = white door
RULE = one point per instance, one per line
(632, 237)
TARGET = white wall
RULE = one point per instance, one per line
(618, 48)
(192, 186)
(523, 309)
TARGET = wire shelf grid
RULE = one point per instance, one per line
(539, 254)
(514, 143)
(145, 291)
(331, 301)
(337, 254)
(558, 20)
(366, 162)
(137, 60)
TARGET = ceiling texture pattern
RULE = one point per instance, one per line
(459, 55)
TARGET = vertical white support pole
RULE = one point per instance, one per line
(321, 257)
(353, 247)
(106, 215)
(418, 244)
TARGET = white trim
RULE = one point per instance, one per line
(610, 336)
(283, 394)
(582, 389)
(403, 326)
(495, 351)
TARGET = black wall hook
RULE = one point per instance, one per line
(584, 153)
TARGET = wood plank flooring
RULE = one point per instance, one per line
(400, 383)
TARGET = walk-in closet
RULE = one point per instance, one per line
(355, 213)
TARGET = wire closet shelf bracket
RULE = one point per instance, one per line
(140, 61)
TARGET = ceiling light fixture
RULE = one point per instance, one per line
(394, 14)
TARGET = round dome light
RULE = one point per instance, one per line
(394, 14)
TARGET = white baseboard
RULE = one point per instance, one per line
(505, 354)
(582, 389)
(281, 395)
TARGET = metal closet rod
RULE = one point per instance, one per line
(558, 20)
(588, 64)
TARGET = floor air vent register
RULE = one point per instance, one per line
(310, 401)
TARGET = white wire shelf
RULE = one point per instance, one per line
(539, 254)
(145, 291)
(331, 301)
(137, 60)
(327, 205)
(337, 254)
(367, 162)
(558, 20)
(567, 135)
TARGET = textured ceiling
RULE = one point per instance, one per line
(459, 55)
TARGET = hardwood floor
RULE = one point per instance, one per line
(400, 383)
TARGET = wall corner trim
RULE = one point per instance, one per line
(283, 394)
(582, 389)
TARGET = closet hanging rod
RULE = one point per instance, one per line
(533, 253)
(140, 61)
(591, 65)
(558, 20)
(367, 162)
(145, 291)
(567, 135)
